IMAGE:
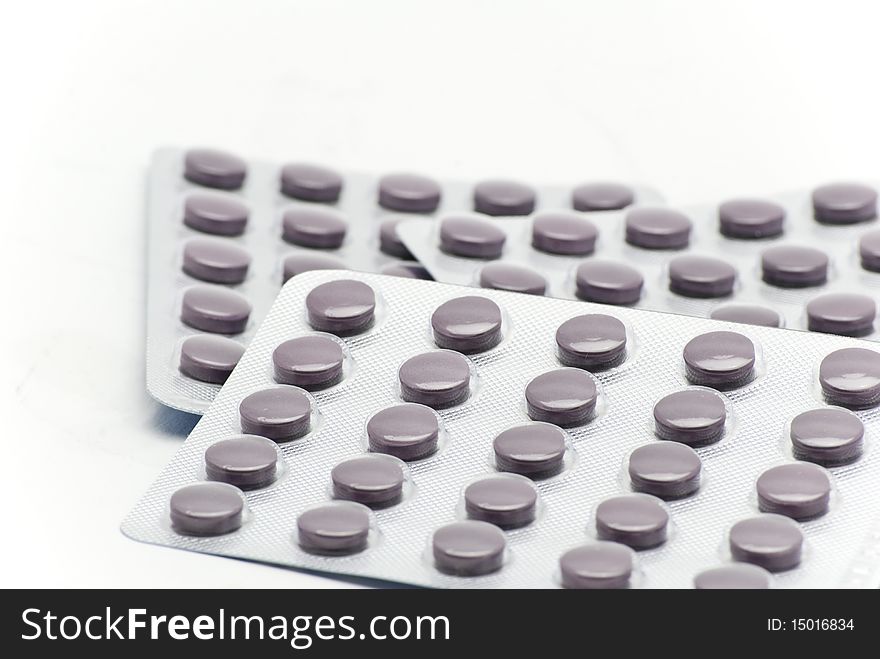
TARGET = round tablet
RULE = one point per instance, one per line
(209, 359)
(827, 436)
(772, 542)
(373, 480)
(657, 228)
(390, 242)
(214, 169)
(750, 218)
(748, 314)
(300, 262)
(215, 261)
(437, 379)
(565, 397)
(222, 216)
(594, 340)
(531, 449)
(407, 270)
(343, 306)
(409, 431)
(701, 276)
(668, 470)
(850, 377)
(504, 198)
(719, 359)
(563, 233)
(510, 277)
(468, 549)
(278, 413)
(409, 193)
(607, 282)
(471, 237)
(636, 520)
(310, 182)
(792, 266)
(246, 461)
(313, 227)
(869, 251)
(505, 501)
(335, 529)
(800, 490)
(743, 576)
(602, 197)
(844, 203)
(847, 314)
(206, 509)
(467, 324)
(215, 309)
(311, 362)
(597, 566)
(693, 416)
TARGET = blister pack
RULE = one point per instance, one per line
(804, 260)
(431, 434)
(224, 234)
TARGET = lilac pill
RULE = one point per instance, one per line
(844, 203)
(668, 470)
(471, 237)
(748, 314)
(637, 520)
(311, 362)
(310, 182)
(510, 277)
(701, 276)
(750, 218)
(215, 309)
(505, 501)
(468, 324)
(437, 379)
(869, 251)
(407, 270)
(313, 227)
(827, 436)
(214, 169)
(695, 417)
(597, 566)
(591, 341)
(219, 215)
(799, 490)
(770, 541)
(719, 359)
(295, 264)
(564, 397)
(389, 242)
(850, 377)
(277, 413)
(209, 359)
(206, 509)
(607, 282)
(408, 431)
(536, 450)
(344, 306)
(246, 461)
(499, 197)
(409, 193)
(469, 548)
(792, 266)
(215, 261)
(847, 314)
(373, 480)
(742, 576)
(334, 529)
(602, 197)
(563, 233)
(657, 228)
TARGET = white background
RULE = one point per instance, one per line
(701, 99)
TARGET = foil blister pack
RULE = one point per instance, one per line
(224, 234)
(802, 260)
(431, 434)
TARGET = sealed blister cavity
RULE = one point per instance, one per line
(206, 509)
(847, 314)
(215, 310)
(341, 307)
(828, 436)
(313, 227)
(215, 261)
(500, 197)
(597, 566)
(389, 241)
(799, 490)
(591, 341)
(334, 529)
(505, 500)
(869, 251)
(608, 282)
(467, 324)
(747, 314)
(563, 232)
(750, 219)
(407, 270)
(564, 396)
(770, 541)
(536, 450)
(468, 549)
(723, 360)
(471, 237)
(214, 169)
(602, 196)
(738, 576)
(409, 193)
(311, 362)
(701, 276)
(657, 228)
(438, 379)
(278, 413)
(794, 266)
(844, 203)
(639, 521)
(850, 377)
(408, 431)
(209, 358)
(246, 461)
(667, 470)
(695, 417)
(296, 264)
(309, 182)
(221, 215)
(515, 278)
(373, 480)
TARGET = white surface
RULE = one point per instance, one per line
(700, 99)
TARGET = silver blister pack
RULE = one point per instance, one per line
(768, 269)
(839, 546)
(260, 237)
